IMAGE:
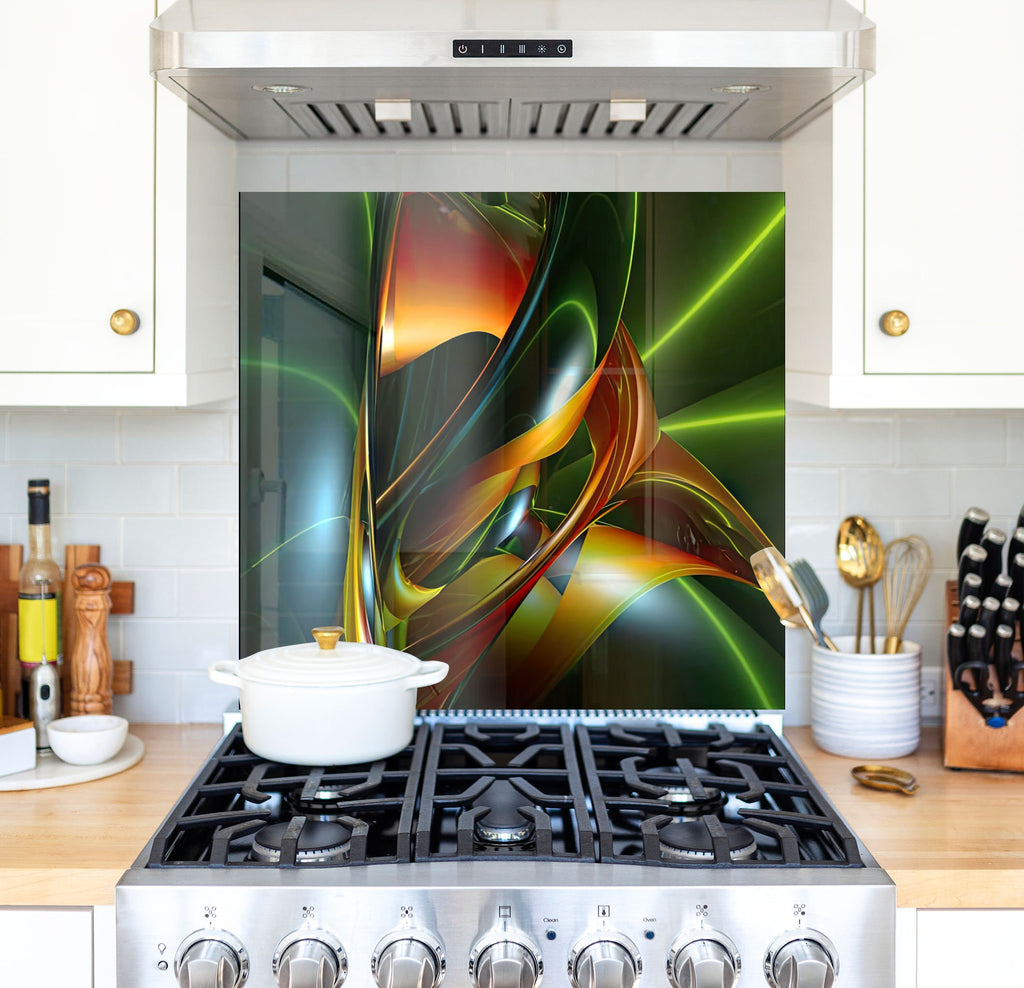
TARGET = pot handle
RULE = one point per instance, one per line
(430, 673)
(224, 672)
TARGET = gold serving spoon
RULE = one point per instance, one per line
(783, 592)
(860, 558)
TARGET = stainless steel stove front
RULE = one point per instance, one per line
(487, 923)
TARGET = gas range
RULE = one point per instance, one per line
(496, 852)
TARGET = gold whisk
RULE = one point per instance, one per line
(908, 563)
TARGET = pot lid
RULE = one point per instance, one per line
(328, 662)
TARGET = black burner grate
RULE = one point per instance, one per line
(621, 793)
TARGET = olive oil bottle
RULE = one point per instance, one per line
(39, 593)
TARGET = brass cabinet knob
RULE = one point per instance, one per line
(124, 322)
(895, 323)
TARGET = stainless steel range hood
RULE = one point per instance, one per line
(591, 69)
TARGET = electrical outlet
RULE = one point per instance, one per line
(931, 694)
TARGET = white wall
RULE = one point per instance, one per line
(158, 490)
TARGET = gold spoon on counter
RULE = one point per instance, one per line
(860, 558)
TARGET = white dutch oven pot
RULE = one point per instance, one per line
(322, 703)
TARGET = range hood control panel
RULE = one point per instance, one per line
(512, 48)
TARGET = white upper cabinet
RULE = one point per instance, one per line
(907, 198)
(95, 212)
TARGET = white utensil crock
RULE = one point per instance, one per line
(863, 705)
(306, 705)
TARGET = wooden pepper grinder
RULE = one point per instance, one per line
(92, 670)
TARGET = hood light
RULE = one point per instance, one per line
(741, 89)
(280, 90)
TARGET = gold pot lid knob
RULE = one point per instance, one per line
(895, 323)
(124, 322)
(327, 637)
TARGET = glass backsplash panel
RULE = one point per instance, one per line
(535, 435)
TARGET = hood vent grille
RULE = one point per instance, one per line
(575, 119)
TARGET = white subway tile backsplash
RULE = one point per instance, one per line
(87, 530)
(1015, 439)
(812, 540)
(176, 437)
(119, 489)
(203, 701)
(813, 439)
(211, 490)
(813, 493)
(884, 493)
(178, 542)
(14, 478)
(156, 592)
(961, 439)
(209, 593)
(155, 698)
(155, 645)
(999, 490)
(674, 173)
(78, 437)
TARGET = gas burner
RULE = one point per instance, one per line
(691, 841)
(319, 842)
(324, 804)
(683, 802)
(503, 823)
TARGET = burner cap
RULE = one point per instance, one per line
(503, 823)
(318, 841)
(691, 841)
(684, 803)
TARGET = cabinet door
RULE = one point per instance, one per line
(76, 186)
(46, 948)
(944, 204)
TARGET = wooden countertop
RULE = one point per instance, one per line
(70, 845)
(956, 843)
(959, 842)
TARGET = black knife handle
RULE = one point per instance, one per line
(970, 607)
(1017, 576)
(1001, 586)
(1004, 644)
(973, 524)
(993, 542)
(977, 660)
(1009, 612)
(988, 618)
(956, 649)
(1016, 545)
(972, 560)
(980, 690)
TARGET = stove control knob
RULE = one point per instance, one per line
(310, 959)
(801, 959)
(505, 962)
(605, 960)
(408, 959)
(211, 959)
(707, 960)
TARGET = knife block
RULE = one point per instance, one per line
(967, 741)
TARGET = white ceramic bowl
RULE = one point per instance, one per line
(88, 739)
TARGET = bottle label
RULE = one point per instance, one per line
(39, 631)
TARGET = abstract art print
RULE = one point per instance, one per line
(536, 435)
